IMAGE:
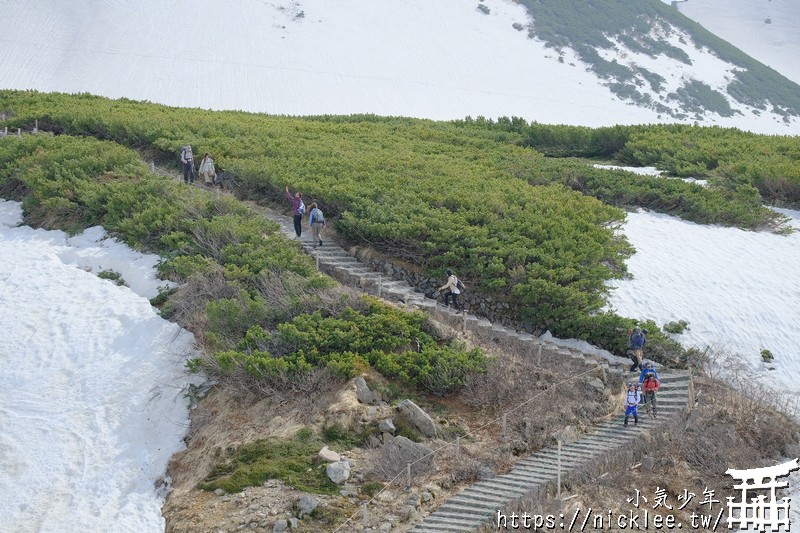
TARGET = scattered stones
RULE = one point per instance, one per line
(280, 526)
(219, 492)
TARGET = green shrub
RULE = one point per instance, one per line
(112, 275)
(767, 356)
(371, 488)
(676, 328)
(291, 461)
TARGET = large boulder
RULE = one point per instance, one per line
(418, 418)
(338, 472)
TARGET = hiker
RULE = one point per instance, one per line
(649, 388)
(637, 339)
(632, 398)
(298, 210)
(187, 159)
(454, 286)
(207, 170)
(316, 221)
(648, 369)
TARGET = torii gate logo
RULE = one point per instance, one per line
(761, 513)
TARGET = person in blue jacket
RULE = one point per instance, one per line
(632, 399)
(649, 369)
(637, 341)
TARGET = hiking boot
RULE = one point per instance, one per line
(320, 243)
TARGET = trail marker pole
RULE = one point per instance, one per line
(558, 494)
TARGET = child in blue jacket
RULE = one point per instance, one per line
(632, 398)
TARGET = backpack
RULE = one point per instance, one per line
(302, 209)
(460, 286)
(318, 216)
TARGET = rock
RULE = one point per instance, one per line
(385, 527)
(306, 505)
(648, 463)
(597, 384)
(294, 523)
(387, 426)
(219, 492)
(413, 500)
(328, 455)
(363, 393)
(280, 526)
(419, 418)
(426, 496)
(338, 472)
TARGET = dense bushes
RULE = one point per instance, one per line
(471, 195)
(251, 319)
(393, 341)
(431, 193)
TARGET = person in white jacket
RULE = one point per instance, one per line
(453, 289)
(207, 170)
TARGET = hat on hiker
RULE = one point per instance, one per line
(648, 364)
(449, 272)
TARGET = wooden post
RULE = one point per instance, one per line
(380, 283)
(408, 475)
(505, 418)
(364, 515)
(153, 167)
(317, 258)
(690, 399)
(558, 494)
(458, 446)
(463, 321)
(19, 132)
(35, 125)
(539, 351)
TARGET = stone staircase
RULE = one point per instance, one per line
(477, 505)
(339, 264)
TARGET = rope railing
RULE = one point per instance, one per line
(456, 444)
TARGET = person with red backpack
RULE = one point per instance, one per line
(650, 386)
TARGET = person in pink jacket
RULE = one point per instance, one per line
(298, 210)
